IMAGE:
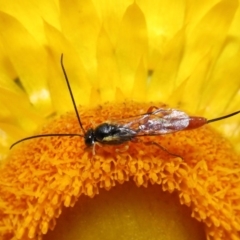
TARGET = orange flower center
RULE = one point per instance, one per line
(42, 175)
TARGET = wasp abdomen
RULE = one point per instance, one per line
(196, 122)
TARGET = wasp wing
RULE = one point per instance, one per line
(161, 121)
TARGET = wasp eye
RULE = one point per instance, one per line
(89, 137)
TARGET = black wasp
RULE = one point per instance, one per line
(158, 122)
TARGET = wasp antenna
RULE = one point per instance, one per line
(47, 135)
(223, 117)
(71, 94)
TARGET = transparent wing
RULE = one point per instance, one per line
(161, 121)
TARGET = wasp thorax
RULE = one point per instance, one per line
(104, 130)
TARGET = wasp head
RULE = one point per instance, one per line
(89, 137)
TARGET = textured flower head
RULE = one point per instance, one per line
(132, 55)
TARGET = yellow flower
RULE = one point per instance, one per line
(133, 56)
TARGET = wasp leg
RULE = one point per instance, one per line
(94, 150)
(156, 144)
(152, 108)
(123, 149)
(163, 148)
(94, 147)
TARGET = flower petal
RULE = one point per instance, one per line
(131, 46)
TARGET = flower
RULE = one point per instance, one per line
(129, 54)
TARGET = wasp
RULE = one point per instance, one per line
(156, 121)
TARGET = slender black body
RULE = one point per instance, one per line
(109, 134)
(152, 123)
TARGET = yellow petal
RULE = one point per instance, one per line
(131, 46)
